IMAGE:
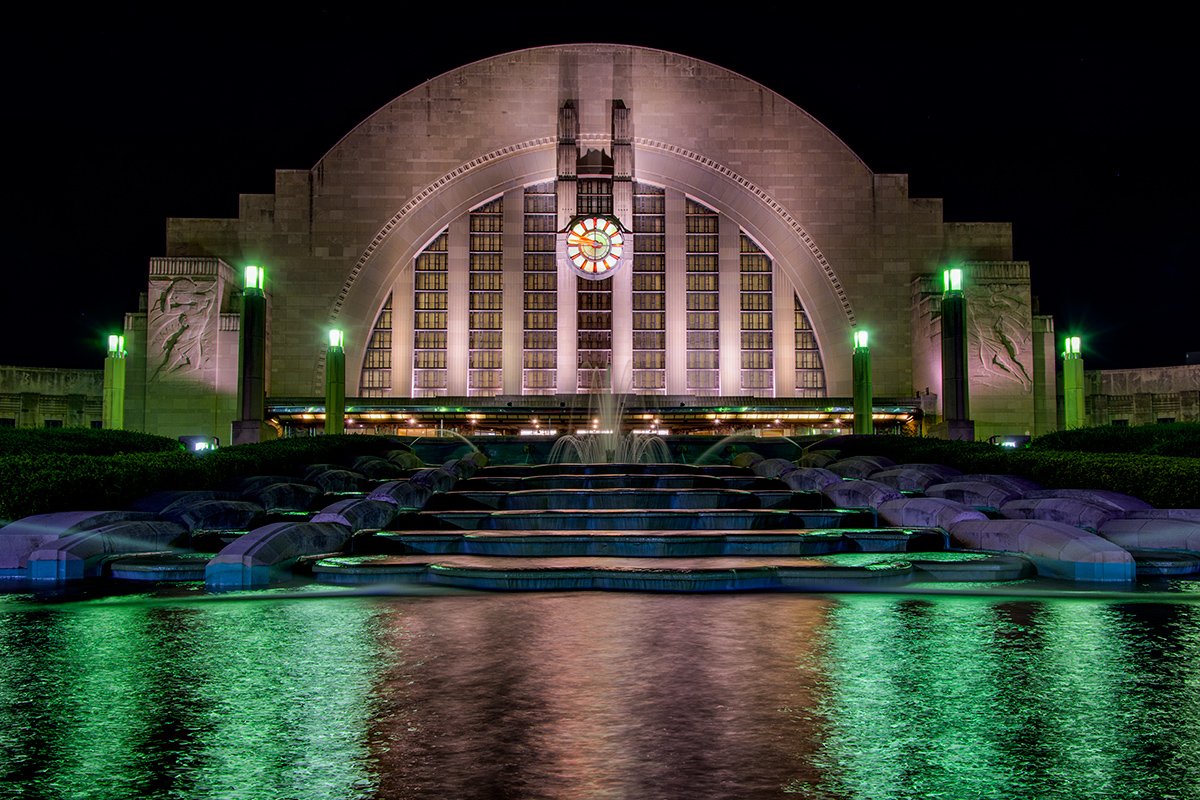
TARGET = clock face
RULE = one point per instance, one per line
(595, 245)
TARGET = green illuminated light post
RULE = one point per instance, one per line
(1073, 390)
(252, 360)
(113, 414)
(335, 384)
(956, 423)
(862, 384)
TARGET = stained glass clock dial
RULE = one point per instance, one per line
(595, 245)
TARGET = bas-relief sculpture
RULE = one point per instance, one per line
(181, 334)
(1000, 336)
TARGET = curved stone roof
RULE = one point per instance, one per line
(340, 235)
(471, 133)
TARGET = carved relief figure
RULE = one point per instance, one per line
(178, 327)
(999, 336)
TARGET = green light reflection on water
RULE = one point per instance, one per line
(973, 697)
(256, 699)
(278, 694)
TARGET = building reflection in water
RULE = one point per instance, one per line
(600, 695)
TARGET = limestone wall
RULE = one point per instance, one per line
(182, 367)
(1006, 346)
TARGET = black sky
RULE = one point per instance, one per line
(1079, 134)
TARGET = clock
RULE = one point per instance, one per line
(595, 246)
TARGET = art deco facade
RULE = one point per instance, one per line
(437, 235)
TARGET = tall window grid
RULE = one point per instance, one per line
(430, 284)
(703, 299)
(594, 300)
(593, 196)
(810, 372)
(540, 292)
(649, 290)
(377, 363)
(486, 301)
(758, 373)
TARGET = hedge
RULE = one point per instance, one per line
(81, 442)
(42, 483)
(35, 483)
(1166, 439)
(1162, 481)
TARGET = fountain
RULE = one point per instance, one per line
(712, 454)
(445, 434)
(609, 447)
(599, 516)
(609, 444)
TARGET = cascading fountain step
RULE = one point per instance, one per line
(635, 519)
(160, 567)
(643, 481)
(720, 574)
(619, 498)
(523, 470)
(512, 483)
(651, 543)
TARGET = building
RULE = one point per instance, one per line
(1141, 396)
(567, 220)
(48, 397)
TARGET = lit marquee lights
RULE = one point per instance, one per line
(595, 246)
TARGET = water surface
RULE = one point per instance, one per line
(321, 694)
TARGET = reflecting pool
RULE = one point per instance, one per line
(312, 693)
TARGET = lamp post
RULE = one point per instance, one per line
(113, 414)
(252, 359)
(862, 385)
(335, 384)
(956, 423)
(1073, 393)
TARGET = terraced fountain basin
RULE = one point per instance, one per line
(1165, 563)
(521, 499)
(638, 519)
(956, 566)
(640, 481)
(645, 499)
(653, 543)
(644, 544)
(161, 567)
(525, 470)
(722, 574)
(491, 481)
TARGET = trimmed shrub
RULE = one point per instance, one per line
(38, 484)
(81, 442)
(1167, 439)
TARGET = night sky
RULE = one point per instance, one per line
(1082, 136)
